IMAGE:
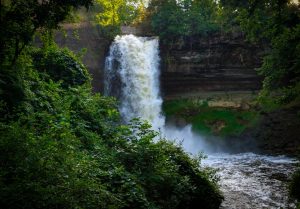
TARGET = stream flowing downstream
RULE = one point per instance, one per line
(247, 180)
(251, 181)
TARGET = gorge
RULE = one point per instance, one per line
(247, 180)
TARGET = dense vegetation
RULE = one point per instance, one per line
(278, 24)
(63, 146)
(112, 14)
(173, 20)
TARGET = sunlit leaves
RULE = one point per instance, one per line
(114, 13)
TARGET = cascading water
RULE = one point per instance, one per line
(133, 62)
(247, 180)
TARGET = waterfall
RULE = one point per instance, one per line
(132, 75)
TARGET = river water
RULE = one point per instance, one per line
(247, 180)
(253, 181)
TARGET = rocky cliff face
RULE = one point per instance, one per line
(214, 63)
(86, 36)
(278, 131)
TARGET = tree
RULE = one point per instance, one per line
(276, 22)
(203, 17)
(19, 22)
(114, 13)
(168, 20)
(173, 19)
(21, 19)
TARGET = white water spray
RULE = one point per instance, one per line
(133, 65)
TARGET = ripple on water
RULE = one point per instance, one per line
(251, 181)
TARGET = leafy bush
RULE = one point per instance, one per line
(61, 64)
(281, 68)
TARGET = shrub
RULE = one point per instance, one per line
(61, 65)
(65, 147)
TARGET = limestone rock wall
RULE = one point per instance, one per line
(213, 63)
(203, 64)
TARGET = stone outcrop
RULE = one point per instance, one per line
(86, 36)
(278, 131)
(215, 63)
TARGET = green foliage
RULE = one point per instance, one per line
(281, 68)
(19, 22)
(212, 120)
(60, 64)
(21, 19)
(112, 14)
(234, 122)
(169, 20)
(203, 17)
(67, 148)
(277, 23)
(171, 179)
(42, 167)
(172, 19)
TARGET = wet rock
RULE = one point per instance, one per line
(278, 132)
(217, 126)
(279, 176)
(181, 122)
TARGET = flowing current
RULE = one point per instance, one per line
(247, 180)
(133, 67)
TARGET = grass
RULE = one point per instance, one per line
(211, 120)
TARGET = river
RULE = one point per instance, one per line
(251, 181)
